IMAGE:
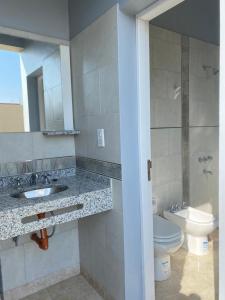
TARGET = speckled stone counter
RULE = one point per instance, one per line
(87, 194)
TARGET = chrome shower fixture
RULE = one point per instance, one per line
(210, 70)
(205, 159)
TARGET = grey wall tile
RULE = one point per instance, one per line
(101, 248)
(204, 188)
(95, 85)
(204, 83)
(165, 75)
(45, 147)
(13, 267)
(63, 252)
(172, 151)
(16, 146)
(29, 146)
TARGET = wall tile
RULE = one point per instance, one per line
(45, 147)
(109, 98)
(204, 188)
(175, 141)
(204, 83)
(166, 113)
(16, 146)
(167, 168)
(204, 101)
(159, 142)
(13, 267)
(91, 92)
(101, 248)
(63, 252)
(96, 88)
(165, 56)
(111, 151)
(165, 35)
(30, 146)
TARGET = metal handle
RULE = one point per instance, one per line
(149, 167)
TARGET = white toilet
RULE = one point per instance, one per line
(168, 238)
(196, 225)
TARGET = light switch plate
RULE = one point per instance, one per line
(101, 137)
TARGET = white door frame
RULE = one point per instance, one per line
(221, 154)
(144, 132)
(142, 25)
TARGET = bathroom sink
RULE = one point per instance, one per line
(40, 192)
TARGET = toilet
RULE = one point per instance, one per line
(168, 238)
(196, 225)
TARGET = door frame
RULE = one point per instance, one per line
(143, 77)
(221, 154)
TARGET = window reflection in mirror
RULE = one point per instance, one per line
(31, 97)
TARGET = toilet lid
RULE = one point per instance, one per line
(164, 230)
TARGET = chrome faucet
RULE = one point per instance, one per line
(205, 159)
(19, 183)
(45, 179)
(184, 205)
(33, 179)
(175, 207)
(207, 172)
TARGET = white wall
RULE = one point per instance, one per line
(166, 117)
(95, 88)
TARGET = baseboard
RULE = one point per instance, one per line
(40, 284)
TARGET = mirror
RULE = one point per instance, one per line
(35, 86)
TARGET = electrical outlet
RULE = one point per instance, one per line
(101, 138)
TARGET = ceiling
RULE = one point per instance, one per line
(195, 18)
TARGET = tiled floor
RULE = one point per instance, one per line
(193, 277)
(75, 288)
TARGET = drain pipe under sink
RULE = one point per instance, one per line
(42, 241)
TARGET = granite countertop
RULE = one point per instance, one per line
(87, 194)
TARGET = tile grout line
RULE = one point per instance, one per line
(185, 59)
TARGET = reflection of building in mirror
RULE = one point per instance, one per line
(42, 87)
(31, 94)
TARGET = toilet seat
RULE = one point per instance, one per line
(167, 241)
(165, 231)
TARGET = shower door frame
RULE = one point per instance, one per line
(143, 47)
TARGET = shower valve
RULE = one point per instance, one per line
(204, 159)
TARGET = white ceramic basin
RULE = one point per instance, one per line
(193, 221)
